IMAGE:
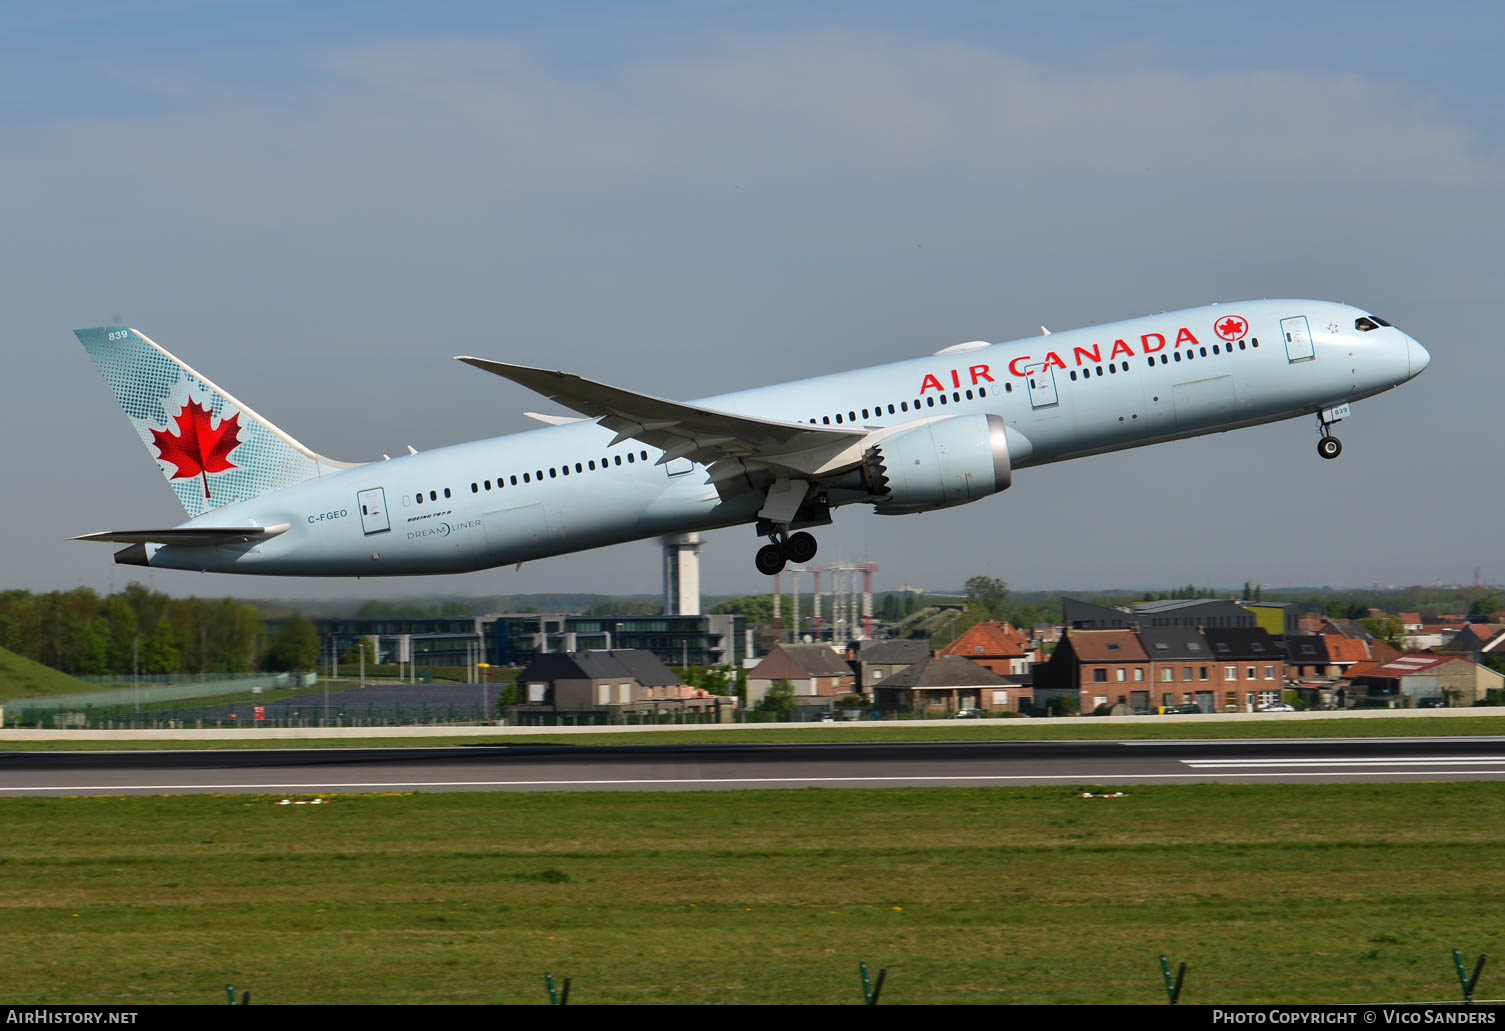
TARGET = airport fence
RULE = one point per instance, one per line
(153, 693)
(1137, 981)
(310, 711)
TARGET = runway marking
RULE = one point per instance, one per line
(1095, 778)
(1405, 761)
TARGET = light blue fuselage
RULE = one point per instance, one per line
(1106, 396)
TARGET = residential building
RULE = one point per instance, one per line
(1229, 669)
(1181, 669)
(874, 661)
(994, 646)
(617, 681)
(1307, 658)
(946, 683)
(1098, 667)
(1249, 668)
(815, 670)
(1476, 640)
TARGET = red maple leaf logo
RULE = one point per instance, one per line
(1232, 328)
(198, 448)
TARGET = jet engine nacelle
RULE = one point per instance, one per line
(942, 464)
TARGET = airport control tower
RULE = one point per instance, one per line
(681, 574)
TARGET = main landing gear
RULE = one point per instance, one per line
(1329, 446)
(786, 548)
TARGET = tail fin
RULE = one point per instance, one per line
(213, 450)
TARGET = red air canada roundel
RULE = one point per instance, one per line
(1231, 327)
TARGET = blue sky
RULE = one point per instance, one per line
(318, 204)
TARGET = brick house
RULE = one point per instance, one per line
(1098, 667)
(1249, 668)
(1218, 670)
(1181, 669)
(994, 646)
(815, 670)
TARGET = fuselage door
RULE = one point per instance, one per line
(373, 504)
(1042, 385)
(1298, 338)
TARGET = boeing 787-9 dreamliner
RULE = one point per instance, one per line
(911, 436)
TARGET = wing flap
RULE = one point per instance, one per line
(204, 535)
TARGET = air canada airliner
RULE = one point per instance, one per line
(910, 436)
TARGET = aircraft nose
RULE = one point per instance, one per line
(1417, 357)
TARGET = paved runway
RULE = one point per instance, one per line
(733, 766)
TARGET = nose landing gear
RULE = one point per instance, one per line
(1329, 446)
(785, 548)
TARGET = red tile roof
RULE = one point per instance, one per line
(1342, 650)
(988, 639)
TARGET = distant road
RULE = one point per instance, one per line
(748, 766)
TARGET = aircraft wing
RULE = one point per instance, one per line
(702, 435)
(188, 535)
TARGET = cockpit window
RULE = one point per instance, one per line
(1364, 324)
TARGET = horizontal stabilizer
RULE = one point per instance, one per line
(189, 535)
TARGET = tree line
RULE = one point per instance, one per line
(83, 633)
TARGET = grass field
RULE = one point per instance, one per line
(1313, 893)
(20, 677)
(1084, 729)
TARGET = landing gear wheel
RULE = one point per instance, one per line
(800, 547)
(769, 560)
(1329, 447)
